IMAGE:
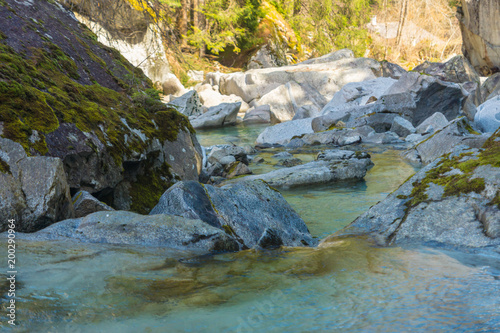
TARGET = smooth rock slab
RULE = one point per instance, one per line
(121, 227)
(330, 166)
(284, 132)
(246, 210)
(487, 118)
(217, 116)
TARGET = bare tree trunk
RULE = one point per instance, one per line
(402, 19)
(183, 20)
(202, 24)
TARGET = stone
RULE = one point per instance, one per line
(236, 169)
(282, 133)
(289, 162)
(487, 118)
(402, 127)
(325, 122)
(188, 104)
(443, 141)
(217, 153)
(391, 70)
(479, 25)
(85, 204)
(330, 57)
(325, 78)
(437, 121)
(414, 138)
(447, 213)
(490, 88)
(457, 69)
(245, 210)
(358, 93)
(127, 228)
(330, 166)
(172, 86)
(217, 116)
(210, 98)
(260, 115)
(35, 190)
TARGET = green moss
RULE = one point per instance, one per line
(228, 230)
(496, 200)
(4, 167)
(149, 186)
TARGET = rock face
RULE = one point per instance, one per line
(454, 200)
(487, 117)
(330, 166)
(260, 115)
(250, 212)
(120, 227)
(76, 101)
(481, 42)
(34, 190)
(217, 116)
(284, 132)
(118, 25)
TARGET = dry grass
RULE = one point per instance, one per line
(436, 17)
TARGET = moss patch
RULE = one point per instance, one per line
(4, 167)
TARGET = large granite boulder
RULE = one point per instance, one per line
(187, 104)
(260, 115)
(487, 117)
(127, 228)
(34, 190)
(453, 201)
(326, 78)
(330, 166)
(86, 104)
(249, 211)
(85, 204)
(481, 42)
(224, 114)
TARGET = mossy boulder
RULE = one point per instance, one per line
(63, 94)
(452, 201)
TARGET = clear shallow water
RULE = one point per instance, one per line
(347, 285)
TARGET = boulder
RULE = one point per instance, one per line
(330, 166)
(281, 133)
(85, 204)
(217, 116)
(326, 78)
(34, 192)
(209, 98)
(479, 25)
(402, 127)
(236, 169)
(195, 75)
(490, 88)
(188, 104)
(458, 132)
(391, 70)
(127, 228)
(436, 121)
(452, 201)
(358, 93)
(457, 69)
(330, 57)
(172, 86)
(217, 153)
(286, 100)
(260, 115)
(246, 210)
(487, 118)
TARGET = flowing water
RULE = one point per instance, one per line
(346, 285)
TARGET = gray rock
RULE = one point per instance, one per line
(487, 118)
(457, 69)
(325, 122)
(289, 162)
(382, 138)
(402, 127)
(329, 167)
(85, 204)
(437, 121)
(244, 210)
(392, 70)
(260, 115)
(414, 138)
(226, 160)
(358, 93)
(218, 153)
(188, 104)
(490, 88)
(443, 141)
(284, 132)
(217, 116)
(283, 155)
(431, 214)
(236, 169)
(34, 191)
(121, 227)
(195, 75)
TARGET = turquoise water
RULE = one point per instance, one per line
(346, 285)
